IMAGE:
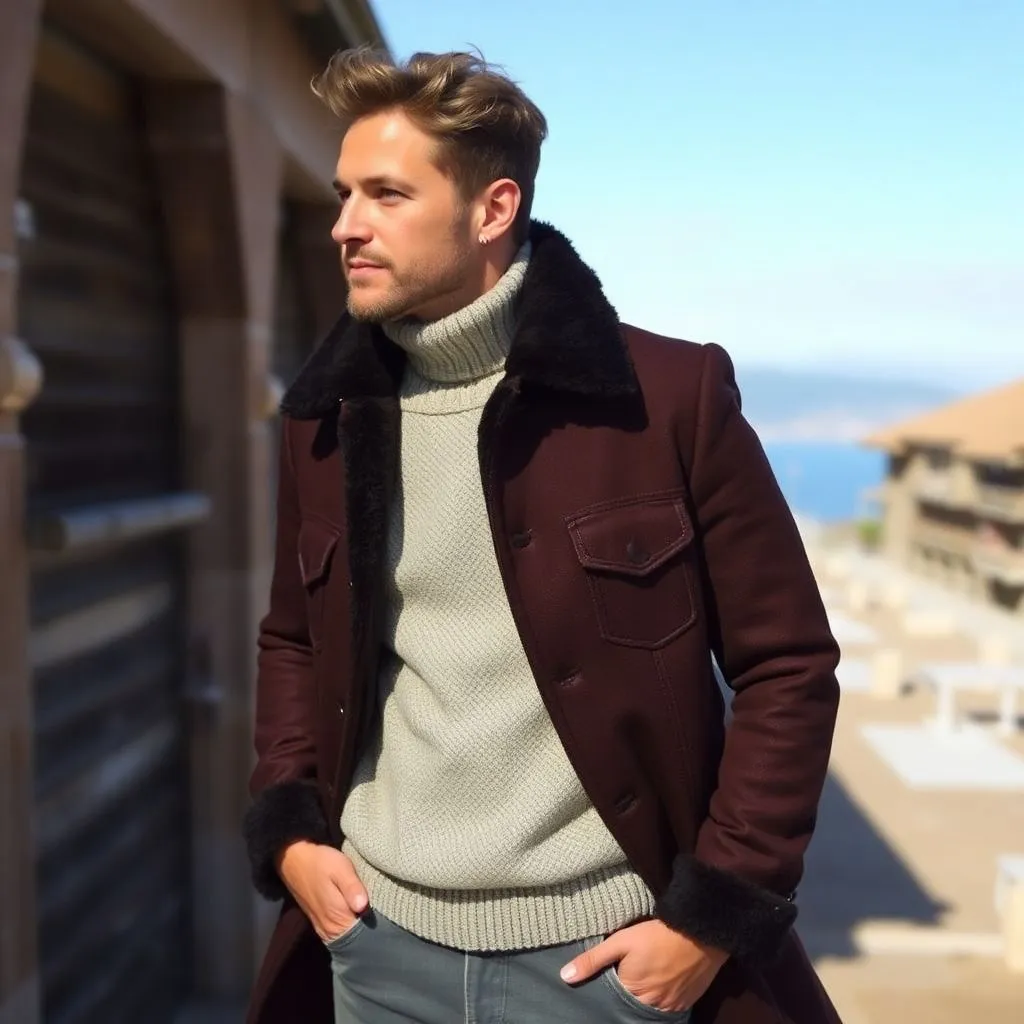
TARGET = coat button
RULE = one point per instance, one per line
(636, 553)
(625, 803)
(521, 540)
(341, 709)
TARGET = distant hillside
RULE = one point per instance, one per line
(786, 405)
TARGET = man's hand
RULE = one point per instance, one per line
(661, 967)
(325, 885)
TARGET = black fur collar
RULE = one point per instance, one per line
(568, 338)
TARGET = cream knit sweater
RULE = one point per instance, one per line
(466, 821)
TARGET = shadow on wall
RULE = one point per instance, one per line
(853, 875)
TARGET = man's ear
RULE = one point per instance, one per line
(499, 205)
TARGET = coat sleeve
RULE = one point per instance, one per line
(770, 635)
(286, 805)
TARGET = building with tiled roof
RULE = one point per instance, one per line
(953, 499)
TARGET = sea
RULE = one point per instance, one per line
(827, 480)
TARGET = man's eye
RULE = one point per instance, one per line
(390, 193)
(342, 196)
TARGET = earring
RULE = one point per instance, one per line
(483, 239)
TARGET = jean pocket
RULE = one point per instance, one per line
(638, 1010)
(339, 942)
(644, 1010)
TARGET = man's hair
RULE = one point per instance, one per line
(485, 126)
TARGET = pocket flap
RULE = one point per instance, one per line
(317, 542)
(633, 539)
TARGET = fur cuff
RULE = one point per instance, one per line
(279, 815)
(721, 909)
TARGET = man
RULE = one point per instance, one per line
(493, 782)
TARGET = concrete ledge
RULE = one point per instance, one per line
(895, 596)
(901, 938)
(859, 596)
(1009, 900)
(995, 649)
(888, 673)
(838, 565)
(930, 622)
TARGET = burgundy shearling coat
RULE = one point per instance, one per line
(638, 529)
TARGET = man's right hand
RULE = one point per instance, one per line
(325, 885)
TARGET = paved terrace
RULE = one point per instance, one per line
(898, 906)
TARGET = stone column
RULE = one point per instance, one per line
(898, 518)
(20, 378)
(319, 263)
(219, 166)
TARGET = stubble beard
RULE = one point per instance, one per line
(422, 284)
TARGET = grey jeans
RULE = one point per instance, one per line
(384, 974)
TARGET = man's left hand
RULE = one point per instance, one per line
(661, 967)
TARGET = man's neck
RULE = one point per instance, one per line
(470, 342)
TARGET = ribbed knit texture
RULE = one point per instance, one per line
(470, 343)
(466, 821)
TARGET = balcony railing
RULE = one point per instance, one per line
(999, 561)
(945, 537)
(933, 486)
(1001, 502)
(943, 487)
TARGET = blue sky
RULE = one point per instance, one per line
(811, 184)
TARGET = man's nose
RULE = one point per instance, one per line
(351, 225)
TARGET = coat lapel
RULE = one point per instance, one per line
(354, 375)
(369, 437)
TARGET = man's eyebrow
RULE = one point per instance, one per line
(378, 180)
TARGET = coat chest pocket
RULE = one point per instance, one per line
(638, 559)
(317, 544)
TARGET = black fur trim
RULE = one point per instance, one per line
(568, 338)
(279, 815)
(721, 909)
(355, 360)
(369, 433)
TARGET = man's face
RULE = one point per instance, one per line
(406, 238)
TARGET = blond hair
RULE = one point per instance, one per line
(485, 126)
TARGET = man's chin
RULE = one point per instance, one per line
(366, 316)
(369, 312)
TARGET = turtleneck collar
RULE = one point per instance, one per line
(470, 343)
